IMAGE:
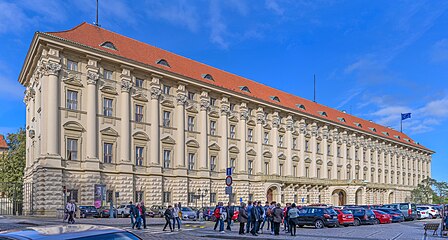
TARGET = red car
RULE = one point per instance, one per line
(345, 217)
(382, 217)
(235, 214)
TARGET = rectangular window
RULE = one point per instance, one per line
(307, 145)
(190, 95)
(294, 143)
(232, 164)
(107, 158)
(212, 163)
(166, 197)
(251, 197)
(72, 100)
(249, 111)
(307, 172)
(138, 113)
(191, 197)
(232, 107)
(72, 194)
(318, 147)
(281, 170)
(328, 149)
(280, 140)
(232, 131)
(348, 153)
(109, 196)
(339, 175)
(294, 171)
(212, 127)
(191, 161)
(250, 167)
(139, 156)
(166, 89)
(329, 173)
(72, 149)
(166, 158)
(250, 134)
(266, 138)
(318, 173)
(139, 82)
(190, 123)
(72, 65)
(166, 118)
(266, 168)
(213, 197)
(139, 196)
(212, 101)
(107, 107)
(107, 74)
(339, 151)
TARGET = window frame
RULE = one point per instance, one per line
(108, 107)
(139, 113)
(69, 151)
(139, 155)
(71, 104)
(108, 149)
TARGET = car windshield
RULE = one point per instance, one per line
(413, 207)
(185, 209)
(346, 212)
(380, 212)
(111, 236)
(331, 211)
(404, 206)
(370, 212)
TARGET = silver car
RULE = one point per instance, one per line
(188, 213)
(124, 210)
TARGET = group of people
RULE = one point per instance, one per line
(70, 209)
(254, 216)
(137, 214)
(174, 215)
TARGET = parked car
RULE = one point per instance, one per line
(69, 232)
(103, 212)
(422, 213)
(433, 212)
(409, 210)
(345, 217)
(362, 216)
(318, 217)
(382, 217)
(188, 213)
(124, 210)
(157, 210)
(208, 212)
(87, 211)
(396, 215)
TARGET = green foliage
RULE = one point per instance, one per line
(430, 190)
(12, 164)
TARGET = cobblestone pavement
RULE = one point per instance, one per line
(204, 230)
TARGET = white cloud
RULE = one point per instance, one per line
(440, 51)
(217, 25)
(274, 6)
(12, 18)
(351, 94)
(180, 13)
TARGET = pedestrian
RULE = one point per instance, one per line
(265, 216)
(293, 215)
(254, 217)
(216, 215)
(222, 216)
(138, 216)
(285, 217)
(271, 213)
(176, 218)
(262, 215)
(230, 212)
(168, 217)
(132, 214)
(278, 215)
(242, 218)
(249, 210)
(71, 208)
(142, 206)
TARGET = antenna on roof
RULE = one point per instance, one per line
(96, 22)
(314, 88)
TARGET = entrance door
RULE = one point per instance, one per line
(269, 195)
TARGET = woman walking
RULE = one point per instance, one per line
(278, 213)
(168, 217)
(293, 214)
(242, 218)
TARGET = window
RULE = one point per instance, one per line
(191, 161)
(275, 98)
(280, 140)
(356, 154)
(212, 101)
(163, 62)
(191, 197)
(232, 106)
(328, 149)
(212, 163)
(358, 124)
(266, 168)
(207, 76)
(232, 131)
(107, 107)
(139, 82)
(307, 145)
(329, 173)
(339, 151)
(341, 119)
(324, 114)
(139, 196)
(72, 100)
(348, 153)
(318, 173)
(244, 89)
(232, 164)
(307, 172)
(266, 138)
(213, 197)
(72, 194)
(294, 143)
(107, 158)
(109, 196)
(107, 74)
(166, 89)
(166, 197)
(249, 111)
(166, 118)
(294, 171)
(372, 129)
(190, 95)
(301, 106)
(212, 127)
(250, 134)
(139, 156)
(250, 167)
(72, 65)
(138, 113)
(72, 149)
(108, 45)
(190, 126)
(281, 169)
(318, 147)
(166, 158)
(339, 175)
(251, 197)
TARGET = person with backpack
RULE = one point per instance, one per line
(216, 216)
(278, 216)
(262, 215)
(168, 217)
(249, 215)
(222, 217)
(271, 215)
(132, 214)
(230, 212)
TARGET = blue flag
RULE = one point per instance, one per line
(405, 116)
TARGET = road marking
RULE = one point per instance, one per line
(396, 237)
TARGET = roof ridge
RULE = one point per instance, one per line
(69, 30)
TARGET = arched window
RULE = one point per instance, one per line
(244, 89)
(163, 62)
(275, 98)
(207, 76)
(109, 45)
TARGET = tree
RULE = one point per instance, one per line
(430, 190)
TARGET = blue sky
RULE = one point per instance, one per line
(374, 59)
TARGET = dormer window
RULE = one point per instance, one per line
(322, 113)
(372, 129)
(301, 106)
(396, 136)
(358, 124)
(386, 133)
(207, 76)
(407, 140)
(163, 62)
(275, 98)
(341, 119)
(244, 89)
(109, 45)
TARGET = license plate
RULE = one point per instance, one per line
(349, 217)
(335, 217)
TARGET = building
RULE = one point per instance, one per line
(3, 145)
(112, 118)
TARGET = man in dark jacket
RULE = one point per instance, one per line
(230, 212)
(261, 212)
(249, 216)
(132, 213)
(168, 217)
(278, 216)
(242, 218)
(254, 217)
(143, 216)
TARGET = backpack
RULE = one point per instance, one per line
(269, 212)
(216, 213)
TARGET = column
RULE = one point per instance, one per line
(125, 113)
(259, 145)
(179, 159)
(288, 139)
(361, 162)
(51, 105)
(242, 129)
(394, 176)
(203, 142)
(369, 164)
(154, 118)
(334, 145)
(344, 156)
(224, 133)
(400, 177)
(324, 145)
(376, 157)
(388, 160)
(274, 160)
(302, 147)
(92, 131)
(313, 144)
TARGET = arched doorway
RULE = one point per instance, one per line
(272, 194)
(391, 197)
(358, 197)
(339, 197)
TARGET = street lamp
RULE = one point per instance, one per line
(202, 193)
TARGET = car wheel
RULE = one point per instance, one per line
(356, 222)
(377, 221)
(318, 224)
(346, 225)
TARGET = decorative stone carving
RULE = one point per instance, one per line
(225, 110)
(244, 114)
(181, 99)
(52, 68)
(126, 85)
(92, 77)
(155, 92)
(275, 122)
(260, 118)
(205, 104)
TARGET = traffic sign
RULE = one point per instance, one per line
(229, 181)
(229, 171)
(229, 190)
(241, 199)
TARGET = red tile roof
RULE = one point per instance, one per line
(92, 36)
(3, 144)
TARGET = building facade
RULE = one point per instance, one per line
(111, 118)
(3, 145)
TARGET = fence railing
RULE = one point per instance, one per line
(16, 198)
